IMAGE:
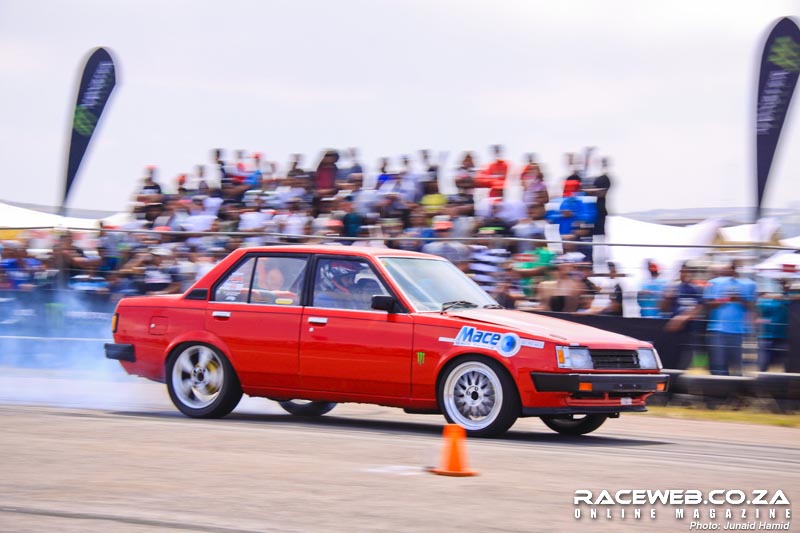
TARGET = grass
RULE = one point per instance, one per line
(744, 416)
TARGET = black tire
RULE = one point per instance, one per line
(478, 394)
(201, 381)
(310, 408)
(574, 424)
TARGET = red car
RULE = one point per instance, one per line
(310, 326)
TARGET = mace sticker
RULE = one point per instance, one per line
(506, 344)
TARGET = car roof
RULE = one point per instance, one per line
(336, 250)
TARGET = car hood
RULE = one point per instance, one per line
(545, 327)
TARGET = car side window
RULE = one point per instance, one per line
(345, 284)
(278, 280)
(236, 286)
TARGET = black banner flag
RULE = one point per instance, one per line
(97, 82)
(780, 64)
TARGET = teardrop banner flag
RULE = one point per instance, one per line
(97, 82)
(780, 64)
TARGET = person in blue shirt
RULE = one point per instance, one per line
(651, 293)
(773, 318)
(730, 300)
(570, 211)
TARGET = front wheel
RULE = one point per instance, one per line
(480, 396)
(574, 424)
(201, 381)
(307, 408)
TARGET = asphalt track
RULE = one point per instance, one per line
(111, 454)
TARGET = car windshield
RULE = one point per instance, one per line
(435, 285)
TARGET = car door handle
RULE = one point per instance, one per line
(317, 320)
(221, 314)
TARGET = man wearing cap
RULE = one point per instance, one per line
(651, 293)
(456, 252)
(683, 304)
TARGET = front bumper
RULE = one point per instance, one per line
(120, 352)
(616, 383)
(594, 393)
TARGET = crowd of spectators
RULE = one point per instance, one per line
(538, 249)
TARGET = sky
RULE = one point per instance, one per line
(665, 89)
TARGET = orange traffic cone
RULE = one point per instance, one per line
(454, 455)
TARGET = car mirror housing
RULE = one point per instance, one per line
(383, 302)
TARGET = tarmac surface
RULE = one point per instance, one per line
(110, 453)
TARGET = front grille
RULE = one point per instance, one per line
(614, 359)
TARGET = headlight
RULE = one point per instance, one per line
(648, 358)
(574, 357)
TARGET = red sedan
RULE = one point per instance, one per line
(311, 326)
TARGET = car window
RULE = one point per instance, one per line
(278, 280)
(264, 280)
(236, 285)
(430, 283)
(345, 284)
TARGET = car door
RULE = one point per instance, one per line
(345, 345)
(255, 310)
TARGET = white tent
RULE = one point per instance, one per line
(792, 242)
(763, 231)
(782, 261)
(13, 217)
(671, 245)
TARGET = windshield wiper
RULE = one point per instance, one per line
(457, 303)
(493, 306)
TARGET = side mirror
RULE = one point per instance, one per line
(198, 294)
(383, 302)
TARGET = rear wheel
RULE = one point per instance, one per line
(574, 424)
(307, 407)
(201, 381)
(479, 395)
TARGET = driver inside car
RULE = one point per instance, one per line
(336, 286)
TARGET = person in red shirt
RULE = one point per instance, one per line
(494, 175)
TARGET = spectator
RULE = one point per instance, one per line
(530, 227)
(431, 169)
(383, 175)
(150, 191)
(355, 165)
(493, 223)
(416, 234)
(456, 252)
(683, 304)
(573, 182)
(325, 178)
(488, 264)
(409, 183)
(773, 318)
(351, 221)
(561, 294)
(532, 180)
(599, 189)
(651, 293)
(570, 212)
(494, 175)
(583, 272)
(729, 299)
(432, 201)
(532, 266)
(612, 289)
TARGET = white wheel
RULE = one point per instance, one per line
(478, 395)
